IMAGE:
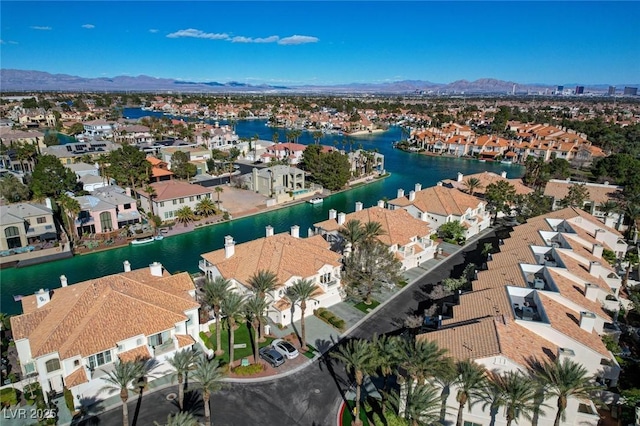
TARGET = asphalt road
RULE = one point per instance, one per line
(308, 397)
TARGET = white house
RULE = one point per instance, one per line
(72, 336)
(290, 258)
(170, 196)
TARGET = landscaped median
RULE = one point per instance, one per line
(330, 318)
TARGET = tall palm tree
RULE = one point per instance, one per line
(71, 207)
(263, 282)
(215, 291)
(517, 394)
(421, 359)
(300, 292)
(317, 135)
(233, 309)
(353, 232)
(492, 398)
(372, 230)
(385, 361)
(470, 381)
(183, 362)
(472, 184)
(208, 376)
(255, 307)
(563, 380)
(358, 359)
(632, 212)
(632, 259)
(421, 408)
(609, 207)
(219, 190)
(151, 191)
(206, 207)
(123, 378)
(185, 215)
(445, 378)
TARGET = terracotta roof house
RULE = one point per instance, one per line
(159, 169)
(546, 295)
(438, 205)
(407, 237)
(72, 336)
(290, 258)
(107, 209)
(289, 150)
(170, 196)
(486, 179)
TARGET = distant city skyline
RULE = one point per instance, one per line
(322, 43)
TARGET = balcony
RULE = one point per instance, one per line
(165, 347)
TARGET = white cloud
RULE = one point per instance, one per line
(153, 30)
(88, 26)
(298, 39)
(193, 33)
(241, 39)
(35, 27)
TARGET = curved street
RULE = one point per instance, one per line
(310, 396)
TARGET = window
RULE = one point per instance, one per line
(76, 362)
(166, 215)
(161, 203)
(12, 233)
(138, 342)
(158, 339)
(99, 359)
(52, 365)
(325, 278)
(190, 198)
(29, 368)
(181, 200)
(105, 221)
(175, 202)
(127, 206)
(41, 220)
(198, 197)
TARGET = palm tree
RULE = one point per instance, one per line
(123, 378)
(487, 248)
(214, 294)
(472, 184)
(563, 380)
(219, 190)
(353, 232)
(255, 307)
(300, 292)
(492, 398)
(421, 359)
(385, 361)
(470, 382)
(263, 282)
(632, 212)
(421, 408)
(181, 418)
(632, 259)
(205, 207)
(517, 394)
(445, 378)
(233, 308)
(182, 361)
(151, 191)
(608, 207)
(71, 208)
(357, 357)
(208, 376)
(185, 215)
(372, 230)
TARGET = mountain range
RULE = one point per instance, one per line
(13, 80)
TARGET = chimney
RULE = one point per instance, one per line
(229, 246)
(412, 195)
(565, 353)
(594, 268)
(156, 269)
(358, 206)
(295, 231)
(504, 174)
(599, 234)
(423, 217)
(460, 177)
(47, 201)
(332, 214)
(127, 190)
(591, 291)
(596, 250)
(587, 321)
(400, 193)
(418, 187)
(42, 297)
(341, 218)
(127, 266)
(268, 231)
(63, 280)
(381, 204)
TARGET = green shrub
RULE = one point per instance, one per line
(248, 370)
(68, 399)
(8, 397)
(206, 340)
(609, 256)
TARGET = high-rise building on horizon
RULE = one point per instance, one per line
(630, 91)
(611, 91)
(579, 90)
(559, 90)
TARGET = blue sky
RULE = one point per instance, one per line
(324, 42)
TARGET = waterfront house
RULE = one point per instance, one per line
(290, 258)
(170, 196)
(10, 137)
(72, 336)
(277, 181)
(25, 224)
(290, 151)
(216, 137)
(71, 152)
(438, 205)
(133, 134)
(197, 156)
(98, 129)
(107, 209)
(407, 237)
(547, 290)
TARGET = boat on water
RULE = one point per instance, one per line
(509, 162)
(158, 237)
(316, 200)
(143, 240)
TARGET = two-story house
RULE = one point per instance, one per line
(107, 209)
(290, 258)
(73, 335)
(277, 180)
(24, 224)
(170, 196)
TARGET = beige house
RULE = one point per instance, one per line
(24, 224)
(72, 336)
(170, 196)
(288, 256)
(407, 237)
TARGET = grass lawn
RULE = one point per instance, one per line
(366, 308)
(243, 334)
(347, 414)
(311, 352)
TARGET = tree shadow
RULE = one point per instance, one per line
(192, 403)
(327, 362)
(87, 406)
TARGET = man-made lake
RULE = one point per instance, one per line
(182, 252)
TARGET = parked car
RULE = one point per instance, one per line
(285, 348)
(272, 356)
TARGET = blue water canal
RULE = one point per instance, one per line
(182, 252)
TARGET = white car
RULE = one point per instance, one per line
(285, 348)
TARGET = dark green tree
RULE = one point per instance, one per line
(578, 194)
(500, 197)
(181, 166)
(12, 190)
(50, 178)
(129, 166)
(452, 231)
(51, 138)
